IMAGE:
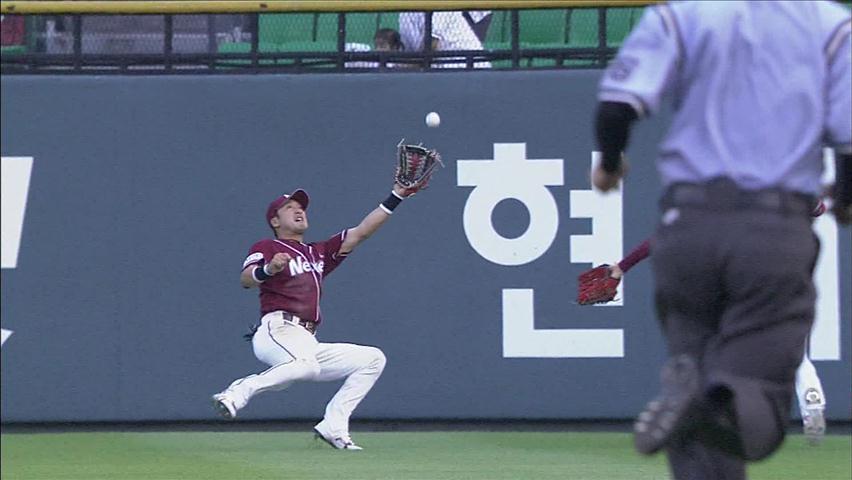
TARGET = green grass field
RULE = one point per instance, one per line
(391, 455)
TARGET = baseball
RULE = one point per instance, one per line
(433, 120)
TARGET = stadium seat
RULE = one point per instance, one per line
(279, 28)
(299, 32)
(583, 27)
(389, 20)
(619, 22)
(319, 46)
(361, 27)
(325, 28)
(542, 28)
(245, 47)
(499, 36)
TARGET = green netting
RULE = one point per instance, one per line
(389, 20)
(556, 28)
(286, 27)
(499, 33)
(361, 27)
(326, 28)
(583, 27)
(619, 22)
(542, 27)
(245, 47)
(319, 46)
(499, 30)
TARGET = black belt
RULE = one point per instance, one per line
(724, 194)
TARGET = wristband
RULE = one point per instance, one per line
(391, 202)
(259, 274)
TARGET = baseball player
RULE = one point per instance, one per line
(289, 274)
(757, 89)
(594, 288)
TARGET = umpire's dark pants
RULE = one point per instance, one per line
(734, 279)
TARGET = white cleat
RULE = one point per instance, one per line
(224, 406)
(343, 442)
(814, 417)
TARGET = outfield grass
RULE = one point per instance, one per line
(387, 455)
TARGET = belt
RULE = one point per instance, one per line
(724, 194)
(306, 324)
(289, 317)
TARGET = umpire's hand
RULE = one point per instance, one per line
(605, 181)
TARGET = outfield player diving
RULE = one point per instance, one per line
(289, 274)
(757, 89)
(809, 392)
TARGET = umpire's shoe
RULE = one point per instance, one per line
(670, 413)
(814, 418)
(343, 442)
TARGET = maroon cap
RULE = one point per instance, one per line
(299, 195)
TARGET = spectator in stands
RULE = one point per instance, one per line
(453, 30)
(385, 40)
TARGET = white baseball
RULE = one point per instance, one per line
(433, 120)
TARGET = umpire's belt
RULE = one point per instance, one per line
(724, 194)
(307, 324)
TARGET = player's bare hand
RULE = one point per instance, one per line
(278, 262)
(615, 271)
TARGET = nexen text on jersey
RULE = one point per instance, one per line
(300, 265)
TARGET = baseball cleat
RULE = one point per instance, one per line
(814, 417)
(343, 442)
(224, 406)
(669, 413)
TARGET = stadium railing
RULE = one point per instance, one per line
(239, 36)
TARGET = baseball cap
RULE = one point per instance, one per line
(299, 195)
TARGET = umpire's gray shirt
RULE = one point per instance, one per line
(758, 88)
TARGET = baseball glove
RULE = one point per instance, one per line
(416, 166)
(596, 286)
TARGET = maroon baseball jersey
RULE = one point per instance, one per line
(296, 289)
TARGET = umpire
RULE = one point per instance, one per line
(758, 88)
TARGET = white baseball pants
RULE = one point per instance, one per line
(294, 354)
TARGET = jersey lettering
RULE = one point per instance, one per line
(299, 266)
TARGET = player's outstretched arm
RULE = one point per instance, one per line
(641, 252)
(416, 164)
(373, 220)
(600, 284)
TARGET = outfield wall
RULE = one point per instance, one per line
(121, 259)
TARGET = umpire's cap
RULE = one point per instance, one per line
(299, 195)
